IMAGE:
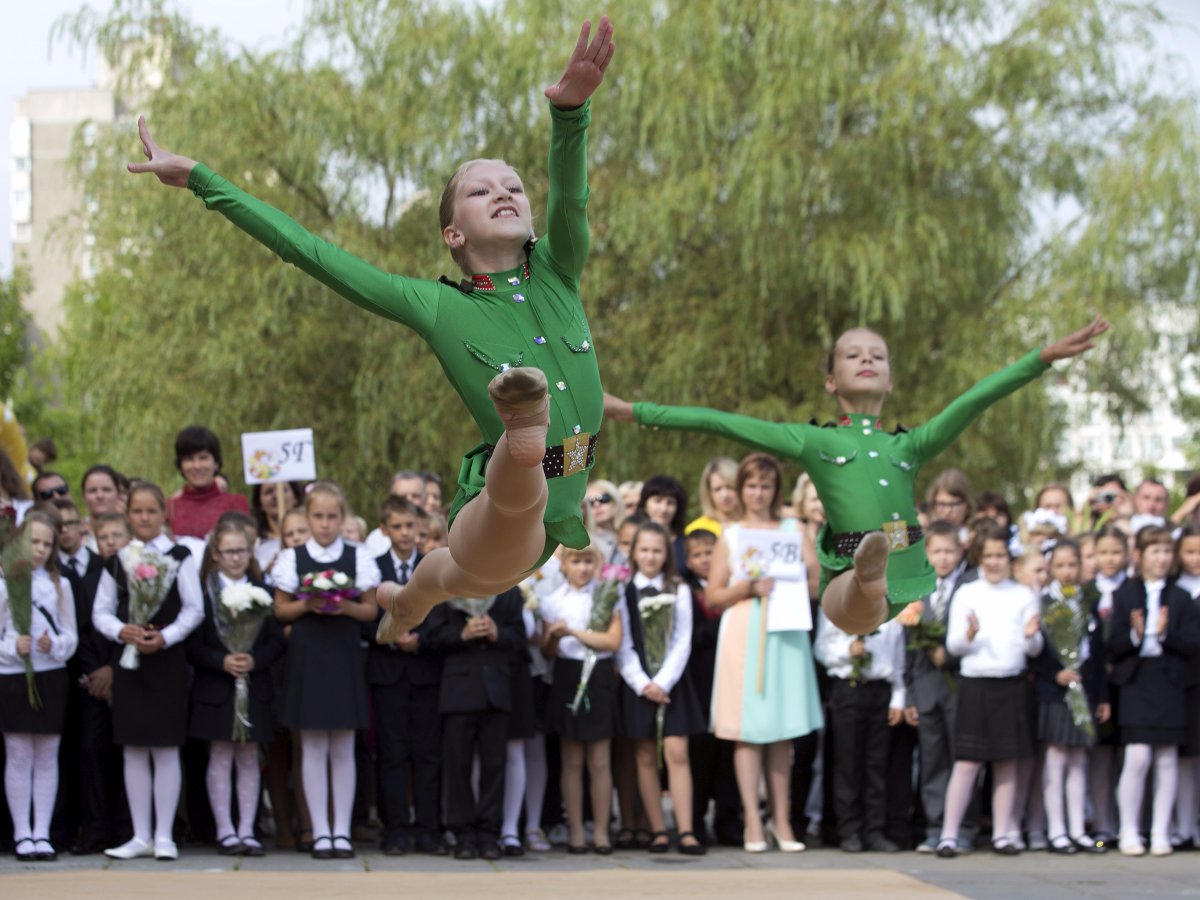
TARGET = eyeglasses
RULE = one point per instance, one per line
(69, 523)
(50, 493)
(600, 499)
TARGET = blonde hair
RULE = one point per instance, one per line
(607, 487)
(446, 206)
(728, 470)
(329, 489)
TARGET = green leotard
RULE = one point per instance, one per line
(529, 316)
(864, 476)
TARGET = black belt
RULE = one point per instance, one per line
(552, 462)
(846, 543)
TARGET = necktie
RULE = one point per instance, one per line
(404, 572)
(939, 603)
(74, 564)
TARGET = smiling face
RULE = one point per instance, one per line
(198, 469)
(661, 508)
(485, 209)
(861, 372)
(994, 561)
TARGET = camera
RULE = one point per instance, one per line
(1109, 497)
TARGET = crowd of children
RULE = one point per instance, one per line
(208, 670)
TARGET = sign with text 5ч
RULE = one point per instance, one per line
(270, 456)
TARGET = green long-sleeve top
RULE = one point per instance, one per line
(531, 315)
(864, 476)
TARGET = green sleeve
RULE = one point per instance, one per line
(407, 300)
(567, 240)
(938, 433)
(771, 437)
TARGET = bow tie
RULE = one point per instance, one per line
(648, 591)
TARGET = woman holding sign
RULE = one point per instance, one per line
(765, 684)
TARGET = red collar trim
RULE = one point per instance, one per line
(846, 421)
(485, 283)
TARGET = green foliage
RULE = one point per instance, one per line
(763, 176)
(14, 330)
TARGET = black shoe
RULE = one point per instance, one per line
(882, 845)
(852, 844)
(1064, 845)
(625, 839)
(578, 849)
(230, 845)
(813, 840)
(1005, 848)
(251, 847)
(490, 851)
(393, 845)
(322, 847)
(947, 849)
(602, 849)
(24, 850)
(432, 845)
(697, 849)
(466, 851)
(342, 848)
(660, 842)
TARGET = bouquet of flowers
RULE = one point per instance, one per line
(861, 663)
(240, 611)
(332, 586)
(149, 575)
(16, 561)
(604, 600)
(924, 633)
(1065, 626)
(658, 615)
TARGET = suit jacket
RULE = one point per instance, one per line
(925, 685)
(1179, 644)
(477, 675)
(210, 682)
(387, 665)
(1046, 665)
(95, 650)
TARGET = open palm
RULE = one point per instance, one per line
(585, 69)
(170, 168)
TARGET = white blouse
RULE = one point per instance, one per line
(366, 573)
(1000, 647)
(1151, 641)
(53, 611)
(886, 647)
(1189, 583)
(191, 612)
(679, 641)
(575, 608)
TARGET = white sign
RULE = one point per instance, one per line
(271, 456)
(777, 554)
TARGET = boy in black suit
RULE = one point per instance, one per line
(476, 699)
(405, 677)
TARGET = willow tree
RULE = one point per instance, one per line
(763, 176)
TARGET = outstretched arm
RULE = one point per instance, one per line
(939, 432)
(406, 300)
(567, 237)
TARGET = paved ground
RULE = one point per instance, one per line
(724, 873)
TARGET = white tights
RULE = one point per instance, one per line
(221, 759)
(1065, 766)
(158, 794)
(31, 774)
(962, 785)
(1187, 799)
(326, 752)
(524, 783)
(1132, 787)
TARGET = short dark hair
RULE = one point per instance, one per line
(47, 447)
(102, 469)
(1108, 479)
(699, 536)
(995, 500)
(666, 486)
(942, 528)
(46, 473)
(196, 439)
(64, 503)
(398, 506)
(989, 530)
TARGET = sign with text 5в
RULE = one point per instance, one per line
(779, 555)
(270, 456)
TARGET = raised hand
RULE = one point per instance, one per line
(1076, 343)
(1163, 618)
(1137, 621)
(170, 168)
(972, 626)
(585, 69)
(1032, 626)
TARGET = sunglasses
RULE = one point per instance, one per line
(599, 499)
(50, 493)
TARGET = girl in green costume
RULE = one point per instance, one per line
(871, 549)
(522, 319)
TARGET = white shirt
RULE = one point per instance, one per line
(886, 646)
(1151, 642)
(366, 573)
(1189, 583)
(50, 605)
(575, 608)
(398, 563)
(1107, 587)
(679, 641)
(81, 557)
(1000, 647)
(187, 580)
(265, 552)
(378, 543)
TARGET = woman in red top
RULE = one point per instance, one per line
(194, 511)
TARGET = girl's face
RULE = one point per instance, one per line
(434, 538)
(1110, 556)
(861, 369)
(145, 516)
(111, 537)
(629, 500)
(625, 539)
(950, 508)
(325, 517)
(661, 509)
(1065, 567)
(295, 530)
(100, 494)
(758, 492)
(811, 507)
(1033, 572)
(579, 569)
(994, 562)
(1087, 561)
(1154, 562)
(41, 538)
(604, 506)
(1189, 555)
(650, 554)
(724, 494)
(490, 208)
(351, 532)
(991, 512)
(1055, 499)
(198, 469)
(233, 554)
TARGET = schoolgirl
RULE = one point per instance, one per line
(1186, 572)
(31, 736)
(218, 668)
(150, 701)
(326, 694)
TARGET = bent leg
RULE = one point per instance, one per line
(856, 601)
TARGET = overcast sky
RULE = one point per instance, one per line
(27, 62)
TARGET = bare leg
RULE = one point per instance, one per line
(679, 778)
(779, 788)
(572, 789)
(499, 535)
(747, 765)
(856, 601)
(649, 785)
(599, 754)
